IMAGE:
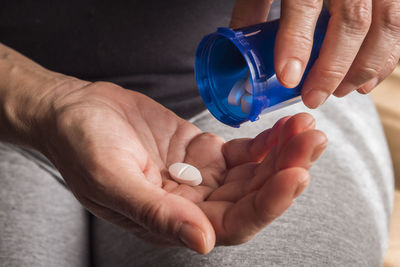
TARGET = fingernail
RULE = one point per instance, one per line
(191, 235)
(302, 184)
(318, 151)
(344, 89)
(368, 86)
(292, 73)
(310, 122)
(316, 98)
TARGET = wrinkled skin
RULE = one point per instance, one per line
(114, 146)
(361, 46)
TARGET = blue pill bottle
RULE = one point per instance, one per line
(227, 56)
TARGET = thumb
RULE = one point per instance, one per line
(177, 219)
(162, 214)
(249, 12)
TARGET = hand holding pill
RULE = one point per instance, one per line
(270, 170)
(165, 181)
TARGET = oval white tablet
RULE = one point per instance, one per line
(184, 173)
(236, 93)
(246, 102)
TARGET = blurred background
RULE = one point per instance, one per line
(387, 100)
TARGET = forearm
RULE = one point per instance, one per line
(26, 93)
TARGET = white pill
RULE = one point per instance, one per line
(246, 102)
(184, 173)
(236, 93)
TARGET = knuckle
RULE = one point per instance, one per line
(302, 40)
(332, 75)
(366, 73)
(208, 137)
(102, 83)
(149, 214)
(391, 16)
(312, 6)
(65, 118)
(6, 55)
(153, 215)
(392, 62)
(357, 15)
(99, 85)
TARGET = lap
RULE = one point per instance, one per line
(41, 223)
(340, 220)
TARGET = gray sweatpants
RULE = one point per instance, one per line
(340, 220)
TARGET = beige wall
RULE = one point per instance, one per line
(387, 99)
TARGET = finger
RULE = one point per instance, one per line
(240, 151)
(194, 194)
(249, 12)
(301, 151)
(378, 46)
(294, 126)
(390, 65)
(349, 24)
(230, 192)
(237, 188)
(241, 172)
(237, 223)
(235, 182)
(295, 39)
(123, 188)
(127, 224)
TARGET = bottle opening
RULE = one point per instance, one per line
(226, 85)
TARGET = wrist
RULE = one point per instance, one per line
(27, 95)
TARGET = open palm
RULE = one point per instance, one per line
(114, 146)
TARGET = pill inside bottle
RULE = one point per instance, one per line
(241, 94)
(184, 173)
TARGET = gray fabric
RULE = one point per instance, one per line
(41, 161)
(341, 219)
(41, 223)
(275, 11)
(147, 46)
